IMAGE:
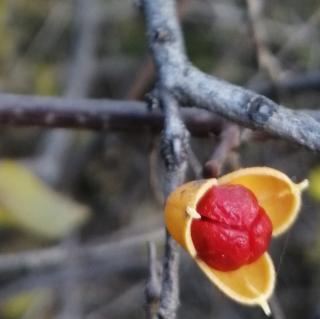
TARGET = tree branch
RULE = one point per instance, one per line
(191, 86)
(22, 110)
(102, 114)
(174, 150)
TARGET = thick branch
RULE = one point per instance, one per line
(175, 144)
(194, 87)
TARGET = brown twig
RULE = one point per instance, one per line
(229, 141)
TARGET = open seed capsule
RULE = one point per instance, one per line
(278, 196)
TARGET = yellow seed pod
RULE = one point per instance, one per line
(251, 284)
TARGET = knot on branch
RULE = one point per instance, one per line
(260, 110)
(174, 148)
(162, 35)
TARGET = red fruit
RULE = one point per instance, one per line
(233, 230)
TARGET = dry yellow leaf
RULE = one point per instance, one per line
(31, 205)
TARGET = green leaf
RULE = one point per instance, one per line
(29, 204)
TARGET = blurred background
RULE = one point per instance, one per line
(77, 208)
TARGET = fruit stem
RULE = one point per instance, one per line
(193, 213)
(303, 185)
(265, 307)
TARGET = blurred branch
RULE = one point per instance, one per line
(121, 305)
(291, 83)
(87, 24)
(155, 182)
(52, 28)
(266, 59)
(153, 286)
(142, 79)
(117, 265)
(276, 309)
(58, 256)
(303, 32)
(54, 149)
(69, 292)
(300, 35)
(190, 85)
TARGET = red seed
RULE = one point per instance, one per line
(233, 230)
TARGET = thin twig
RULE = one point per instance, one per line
(229, 141)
